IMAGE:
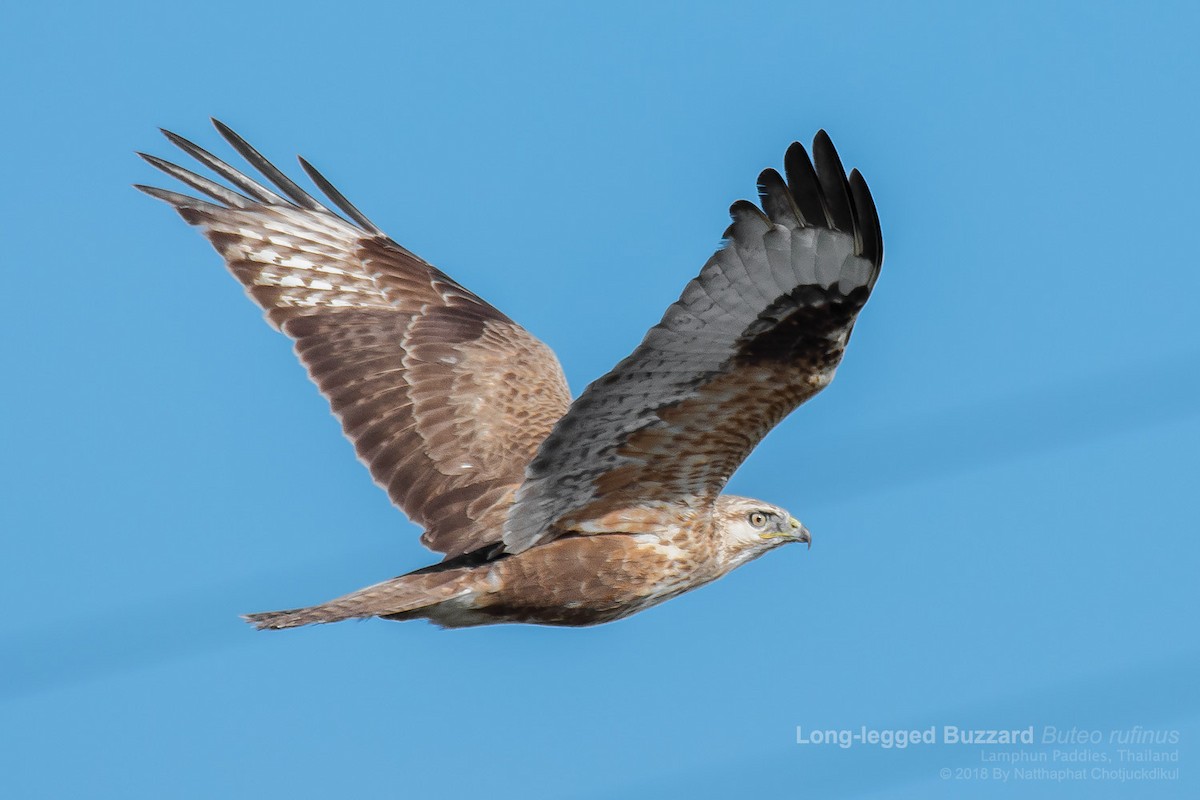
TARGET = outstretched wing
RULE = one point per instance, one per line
(445, 398)
(760, 331)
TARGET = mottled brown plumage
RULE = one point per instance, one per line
(550, 511)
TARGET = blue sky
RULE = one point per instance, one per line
(1000, 483)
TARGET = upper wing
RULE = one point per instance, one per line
(445, 398)
(758, 332)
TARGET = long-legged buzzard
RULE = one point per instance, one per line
(547, 510)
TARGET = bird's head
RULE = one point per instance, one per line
(748, 528)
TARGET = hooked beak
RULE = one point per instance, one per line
(800, 533)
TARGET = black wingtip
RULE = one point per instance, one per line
(768, 180)
(229, 134)
(155, 161)
(832, 177)
(188, 146)
(253, 191)
(246, 184)
(744, 209)
(176, 139)
(867, 218)
(777, 200)
(804, 186)
(272, 173)
(180, 141)
(826, 197)
(337, 197)
(179, 201)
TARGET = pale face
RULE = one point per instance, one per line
(751, 527)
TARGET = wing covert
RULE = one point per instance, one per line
(759, 331)
(444, 397)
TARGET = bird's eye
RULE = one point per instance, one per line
(758, 519)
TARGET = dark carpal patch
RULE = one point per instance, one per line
(803, 325)
(549, 512)
(784, 290)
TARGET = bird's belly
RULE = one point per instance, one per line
(587, 580)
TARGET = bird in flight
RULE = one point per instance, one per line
(547, 510)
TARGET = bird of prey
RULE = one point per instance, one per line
(547, 510)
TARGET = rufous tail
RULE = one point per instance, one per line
(403, 595)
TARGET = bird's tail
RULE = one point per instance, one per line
(405, 595)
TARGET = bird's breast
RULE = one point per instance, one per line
(583, 580)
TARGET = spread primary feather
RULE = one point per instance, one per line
(550, 511)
